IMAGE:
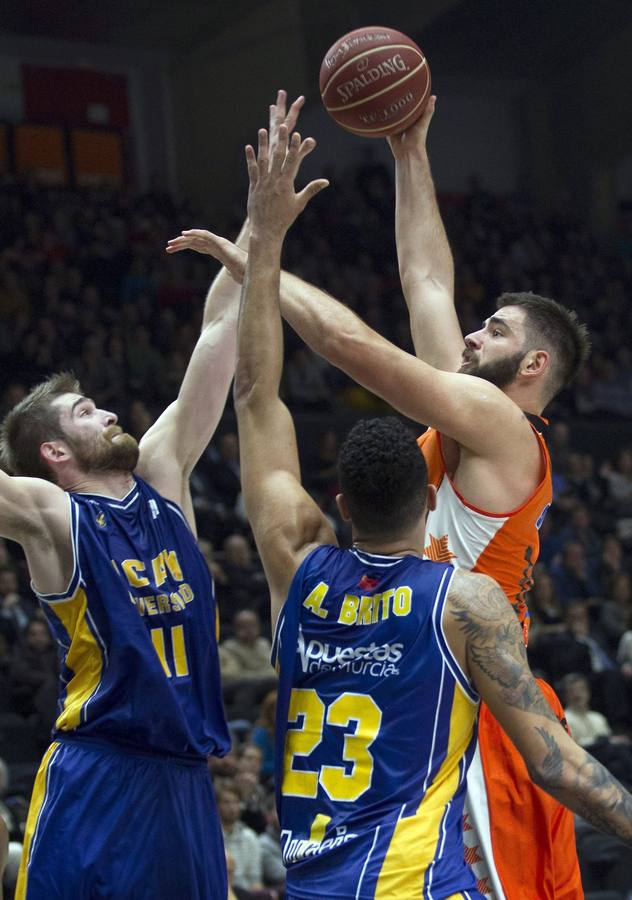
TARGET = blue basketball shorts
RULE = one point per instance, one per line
(110, 823)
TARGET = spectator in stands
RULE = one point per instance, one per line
(239, 840)
(547, 615)
(573, 574)
(587, 725)
(305, 381)
(270, 844)
(322, 469)
(263, 733)
(252, 793)
(214, 567)
(581, 531)
(224, 470)
(247, 654)
(34, 668)
(15, 610)
(612, 562)
(246, 587)
(6, 658)
(619, 482)
(616, 610)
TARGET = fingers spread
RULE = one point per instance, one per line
(313, 188)
(262, 151)
(293, 113)
(279, 152)
(251, 164)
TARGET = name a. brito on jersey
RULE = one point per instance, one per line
(295, 849)
(377, 660)
(165, 565)
(359, 40)
(358, 609)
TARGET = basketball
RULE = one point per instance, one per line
(375, 81)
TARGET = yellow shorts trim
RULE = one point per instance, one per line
(38, 798)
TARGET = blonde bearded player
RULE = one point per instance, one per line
(488, 461)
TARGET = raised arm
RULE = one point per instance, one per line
(285, 520)
(174, 444)
(455, 404)
(426, 266)
(483, 632)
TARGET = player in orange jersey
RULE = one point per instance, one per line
(491, 504)
(490, 465)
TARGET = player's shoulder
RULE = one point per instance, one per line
(477, 595)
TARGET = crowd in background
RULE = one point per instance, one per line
(85, 284)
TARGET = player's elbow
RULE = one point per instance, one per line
(243, 386)
(346, 346)
(250, 388)
(549, 775)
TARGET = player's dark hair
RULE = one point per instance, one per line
(32, 422)
(555, 328)
(383, 476)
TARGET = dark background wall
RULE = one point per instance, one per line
(534, 95)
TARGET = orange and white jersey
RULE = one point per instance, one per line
(502, 545)
(519, 841)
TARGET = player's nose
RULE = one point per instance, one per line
(473, 340)
(110, 418)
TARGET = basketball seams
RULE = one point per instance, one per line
(355, 59)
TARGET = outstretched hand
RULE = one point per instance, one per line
(413, 140)
(273, 204)
(279, 116)
(221, 249)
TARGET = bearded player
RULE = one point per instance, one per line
(488, 459)
(122, 805)
(382, 655)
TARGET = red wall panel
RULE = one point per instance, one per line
(75, 96)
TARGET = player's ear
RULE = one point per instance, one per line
(431, 498)
(535, 363)
(54, 452)
(343, 509)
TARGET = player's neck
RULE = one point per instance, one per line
(109, 484)
(526, 401)
(408, 545)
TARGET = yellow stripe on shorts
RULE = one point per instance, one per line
(38, 798)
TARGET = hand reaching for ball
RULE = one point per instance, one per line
(413, 140)
(273, 203)
(279, 116)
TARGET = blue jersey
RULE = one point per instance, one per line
(137, 630)
(376, 727)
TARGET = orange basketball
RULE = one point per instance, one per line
(375, 81)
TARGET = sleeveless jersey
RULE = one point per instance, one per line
(137, 630)
(502, 545)
(376, 726)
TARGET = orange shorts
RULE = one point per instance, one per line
(519, 840)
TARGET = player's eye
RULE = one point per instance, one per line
(496, 332)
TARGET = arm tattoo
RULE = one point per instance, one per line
(495, 650)
(553, 762)
(494, 643)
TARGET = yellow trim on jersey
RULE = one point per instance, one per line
(83, 658)
(35, 808)
(416, 838)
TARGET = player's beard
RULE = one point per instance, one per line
(500, 372)
(111, 451)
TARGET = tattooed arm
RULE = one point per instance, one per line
(483, 633)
